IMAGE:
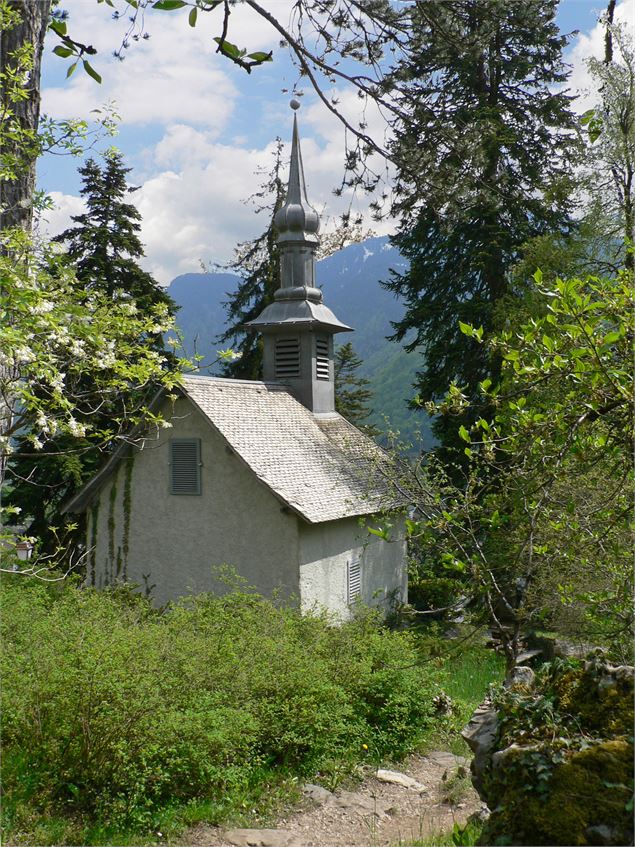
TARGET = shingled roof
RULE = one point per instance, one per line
(322, 467)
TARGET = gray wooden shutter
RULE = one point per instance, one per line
(322, 364)
(287, 353)
(185, 466)
(353, 580)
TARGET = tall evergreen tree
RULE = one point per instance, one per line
(103, 249)
(352, 394)
(257, 262)
(104, 245)
(483, 149)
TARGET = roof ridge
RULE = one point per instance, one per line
(249, 383)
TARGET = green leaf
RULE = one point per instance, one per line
(71, 70)
(58, 26)
(380, 533)
(261, 57)
(229, 49)
(64, 52)
(192, 16)
(466, 329)
(612, 337)
(169, 5)
(464, 434)
(90, 70)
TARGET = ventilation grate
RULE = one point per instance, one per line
(185, 466)
(322, 363)
(287, 357)
(354, 580)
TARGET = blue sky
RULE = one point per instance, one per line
(195, 129)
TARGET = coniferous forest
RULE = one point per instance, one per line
(509, 276)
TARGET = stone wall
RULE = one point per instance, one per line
(553, 756)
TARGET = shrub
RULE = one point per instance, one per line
(113, 711)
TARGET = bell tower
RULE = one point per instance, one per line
(297, 327)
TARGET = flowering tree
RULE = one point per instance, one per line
(67, 353)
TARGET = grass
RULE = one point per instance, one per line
(467, 670)
(459, 836)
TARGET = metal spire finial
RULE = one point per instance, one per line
(296, 220)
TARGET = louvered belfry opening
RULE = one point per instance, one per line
(354, 580)
(185, 466)
(322, 359)
(287, 357)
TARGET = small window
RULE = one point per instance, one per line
(185, 466)
(287, 357)
(354, 580)
(322, 364)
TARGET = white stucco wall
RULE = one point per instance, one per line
(176, 540)
(325, 552)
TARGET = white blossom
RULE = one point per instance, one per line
(75, 427)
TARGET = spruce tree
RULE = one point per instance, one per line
(352, 394)
(483, 148)
(103, 247)
(257, 263)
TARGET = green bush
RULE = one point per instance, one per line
(113, 712)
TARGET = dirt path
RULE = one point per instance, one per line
(376, 814)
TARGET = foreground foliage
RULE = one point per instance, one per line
(115, 714)
(539, 531)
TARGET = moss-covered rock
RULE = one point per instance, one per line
(561, 769)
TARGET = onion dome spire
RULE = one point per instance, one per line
(297, 220)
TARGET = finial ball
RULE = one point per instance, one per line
(295, 104)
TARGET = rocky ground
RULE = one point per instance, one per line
(425, 798)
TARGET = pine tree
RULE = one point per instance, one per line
(103, 249)
(104, 246)
(351, 390)
(482, 149)
(257, 263)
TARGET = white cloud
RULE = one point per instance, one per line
(195, 209)
(173, 76)
(56, 220)
(588, 44)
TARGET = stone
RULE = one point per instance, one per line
(501, 756)
(520, 676)
(362, 805)
(396, 778)
(479, 735)
(261, 838)
(317, 793)
(527, 656)
(447, 760)
(600, 834)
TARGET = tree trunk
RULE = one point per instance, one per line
(16, 196)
